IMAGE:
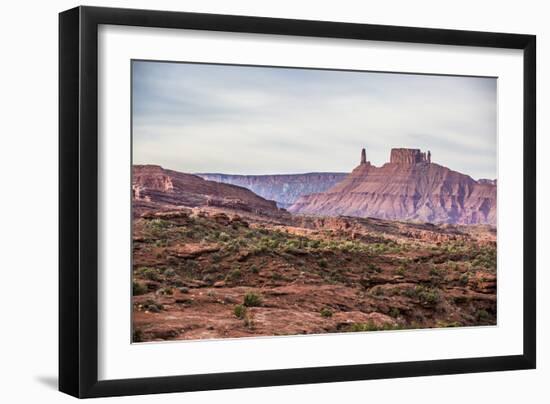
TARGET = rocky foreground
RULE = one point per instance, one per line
(219, 272)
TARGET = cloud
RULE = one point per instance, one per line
(259, 120)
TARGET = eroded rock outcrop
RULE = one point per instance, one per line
(154, 187)
(409, 187)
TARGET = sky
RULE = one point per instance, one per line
(261, 120)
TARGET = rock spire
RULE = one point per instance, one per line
(363, 156)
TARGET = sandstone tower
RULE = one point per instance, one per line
(363, 156)
(409, 156)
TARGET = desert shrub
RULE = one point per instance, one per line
(482, 315)
(212, 269)
(137, 335)
(166, 291)
(184, 289)
(460, 299)
(252, 299)
(427, 296)
(453, 266)
(152, 306)
(161, 243)
(326, 312)
(138, 288)
(169, 273)
(323, 263)
(248, 321)
(191, 264)
(361, 327)
(254, 269)
(314, 244)
(373, 268)
(410, 292)
(156, 225)
(149, 273)
(371, 326)
(239, 311)
(209, 278)
(401, 270)
(394, 312)
(449, 324)
(232, 245)
(464, 278)
(234, 274)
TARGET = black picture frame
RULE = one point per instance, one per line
(78, 201)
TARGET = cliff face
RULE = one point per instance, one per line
(409, 187)
(154, 187)
(283, 189)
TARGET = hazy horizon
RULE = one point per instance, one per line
(203, 118)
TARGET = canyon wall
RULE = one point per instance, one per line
(284, 189)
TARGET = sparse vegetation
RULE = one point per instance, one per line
(239, 311)
(371, 326)
(137, 335)
(138, 288)
(235, 274)
(411, 282)
(482, 315)
(252, 299)
(326, 312)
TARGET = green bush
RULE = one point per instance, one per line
(371, 326)
(428, 296)
(138, 288)
(239, 311)
(401, 270)
(234, 274)
(482, 315)
(224, 237)
(326, 312)
(166, 291)
(323, 263)
(169, 273)
(394, 312)
(150, 273)
(252, 299)
(373, 268)
(137, 335)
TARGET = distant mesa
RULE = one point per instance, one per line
(284, 189)
(156, 188)
(409, 187)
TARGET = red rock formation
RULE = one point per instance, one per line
(154, 187)
(409, 187)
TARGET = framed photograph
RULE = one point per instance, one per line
(250, 201)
